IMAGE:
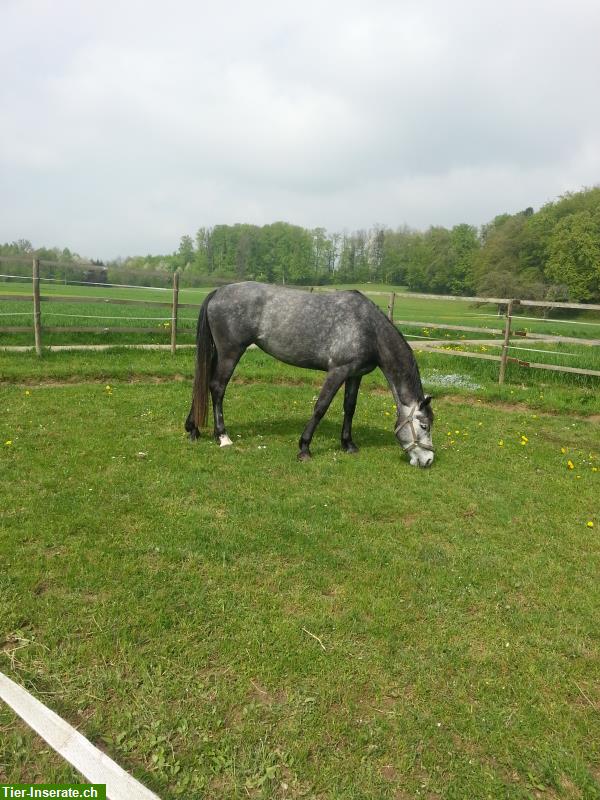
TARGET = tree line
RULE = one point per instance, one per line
(553, 253)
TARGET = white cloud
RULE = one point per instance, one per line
(128, 124)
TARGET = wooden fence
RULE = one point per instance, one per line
(506, 331)
(174, 305)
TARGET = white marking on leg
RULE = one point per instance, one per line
(224, 440)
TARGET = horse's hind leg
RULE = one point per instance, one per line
(226, 363)
(350, 396)
(190, 426)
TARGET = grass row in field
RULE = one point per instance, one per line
(563, 354)
(449, 312)
(442, 374)
(230, 623)
(149, 294)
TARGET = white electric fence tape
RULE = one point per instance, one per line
(92, 763)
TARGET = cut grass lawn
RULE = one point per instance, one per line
(229, 623)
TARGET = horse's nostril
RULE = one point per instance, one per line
(429, 461)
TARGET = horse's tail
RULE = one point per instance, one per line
(205, 359)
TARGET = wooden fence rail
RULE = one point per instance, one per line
(507, 331)
(501, 301)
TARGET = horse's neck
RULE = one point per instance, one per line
(397, 362)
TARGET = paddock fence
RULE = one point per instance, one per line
(168, 322)
(507, 331)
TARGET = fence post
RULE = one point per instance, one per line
(174, 312)
(391, 306)
(37, 314)
(506, 342)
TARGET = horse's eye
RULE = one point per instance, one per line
(423, 426)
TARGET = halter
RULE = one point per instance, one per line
(415, 442)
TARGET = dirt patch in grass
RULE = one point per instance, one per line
(502, 405)
(389, 773)
(569, 790)
(410, 519)
(76, 380)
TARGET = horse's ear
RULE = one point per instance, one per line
(425, 401)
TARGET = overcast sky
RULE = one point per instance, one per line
(124, 125)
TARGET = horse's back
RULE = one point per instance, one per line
(310, 329)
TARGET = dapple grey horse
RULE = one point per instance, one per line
(342, 333)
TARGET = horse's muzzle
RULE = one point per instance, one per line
(424, 461)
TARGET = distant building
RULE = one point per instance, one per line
(98, 273)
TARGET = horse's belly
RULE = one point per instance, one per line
(289, 353)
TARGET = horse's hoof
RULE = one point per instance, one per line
(224, 440)
(194, 435)
(350, 448)
(304, 455)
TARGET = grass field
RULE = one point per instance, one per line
(469, 372)
(229, 623)
(97, 313)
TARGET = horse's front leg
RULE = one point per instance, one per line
(350, 397)
(333, 381)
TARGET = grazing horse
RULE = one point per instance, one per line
(342, 333)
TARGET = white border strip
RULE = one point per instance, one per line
(92, 763)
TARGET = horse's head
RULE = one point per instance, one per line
(413, 431)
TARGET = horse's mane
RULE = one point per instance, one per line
(412, 373)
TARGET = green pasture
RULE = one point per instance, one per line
(231, 623)
(118, 292)
(96, 313)
(442, 374)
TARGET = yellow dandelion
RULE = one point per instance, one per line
(27, 393)
(501, 443)
(8, 442)
(563, 450)
(594, 469)
(570, 464)
(590, 524)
